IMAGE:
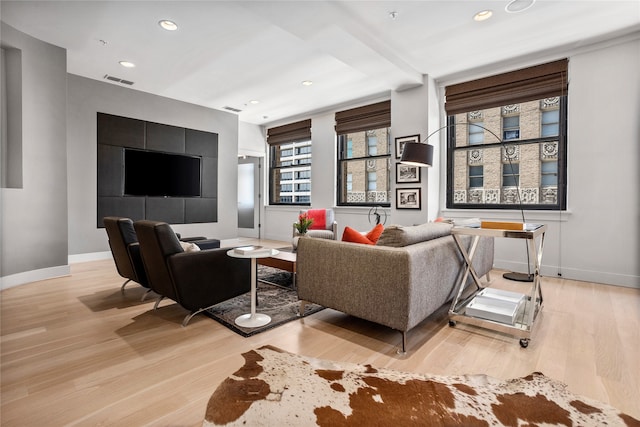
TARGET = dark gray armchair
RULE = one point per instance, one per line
(195, 280)
(125, 249)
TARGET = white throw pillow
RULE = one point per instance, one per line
(189, 247)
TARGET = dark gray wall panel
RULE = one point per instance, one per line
(201, 143)
(130, 207)
(167, 209)
(209, 177)
(201, 210)
(165, 138)
(110, 170)
(120, 131)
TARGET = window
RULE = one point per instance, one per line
(372, 143)
(303, 174)
(510, 128)
(550, 123)
(475, 176)
(364, 156)
(372, 177)
(510, 174)
(549, 172)
(476, 133)
(520, 155)
(290, 164)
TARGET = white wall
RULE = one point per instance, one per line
(596, 239)
(251, 140)
(408, 108)
(33, 231)
(600, 242)
(86, 97)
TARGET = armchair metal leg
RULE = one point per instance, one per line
(144, 296)
(123, 285)
(155, 306)
(190, 316)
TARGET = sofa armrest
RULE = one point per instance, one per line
(361, 280)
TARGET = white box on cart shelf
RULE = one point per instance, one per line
(496, 304)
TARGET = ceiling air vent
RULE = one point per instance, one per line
(235, 110)
(118, 80)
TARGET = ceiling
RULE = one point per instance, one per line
(228, 53)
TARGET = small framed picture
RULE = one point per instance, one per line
(407, 198)
(400, 141)
(407, 173)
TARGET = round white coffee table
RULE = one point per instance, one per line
(253, 319)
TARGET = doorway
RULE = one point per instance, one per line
(249, 196)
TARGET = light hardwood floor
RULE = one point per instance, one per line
(77, 352)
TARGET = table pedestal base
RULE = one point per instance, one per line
(252, 320)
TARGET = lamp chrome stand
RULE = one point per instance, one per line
(421, 154)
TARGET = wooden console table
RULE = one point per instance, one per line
(528, 310)
(282, 261)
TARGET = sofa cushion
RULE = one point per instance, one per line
(399, 235)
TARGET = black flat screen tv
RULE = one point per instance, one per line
(157, 174)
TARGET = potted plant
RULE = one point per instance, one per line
(302, 226)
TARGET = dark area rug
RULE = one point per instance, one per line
(275, 276)
(278, 302)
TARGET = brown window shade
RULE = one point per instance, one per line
(537, 82)
(299, 131)
(374, 116)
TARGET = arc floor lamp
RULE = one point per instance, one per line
(421, 154)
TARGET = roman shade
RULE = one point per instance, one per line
(537, 82)
(293, 132)
(374, 116)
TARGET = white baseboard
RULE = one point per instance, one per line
(603, 277)
(51, 272)
(93, 256)
(34, 276)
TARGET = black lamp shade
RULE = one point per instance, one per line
(417, 154)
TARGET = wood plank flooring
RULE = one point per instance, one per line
(77, 352)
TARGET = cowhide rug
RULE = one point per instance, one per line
(276, 388)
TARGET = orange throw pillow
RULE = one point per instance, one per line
(354, 236)
(375, 233)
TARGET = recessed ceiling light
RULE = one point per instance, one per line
(307, 83)
(516, 6)
(168, 25)
(254, 101)
(393, 15)
(482, 15)
(127, 64)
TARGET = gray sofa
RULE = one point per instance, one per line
(400, 281)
